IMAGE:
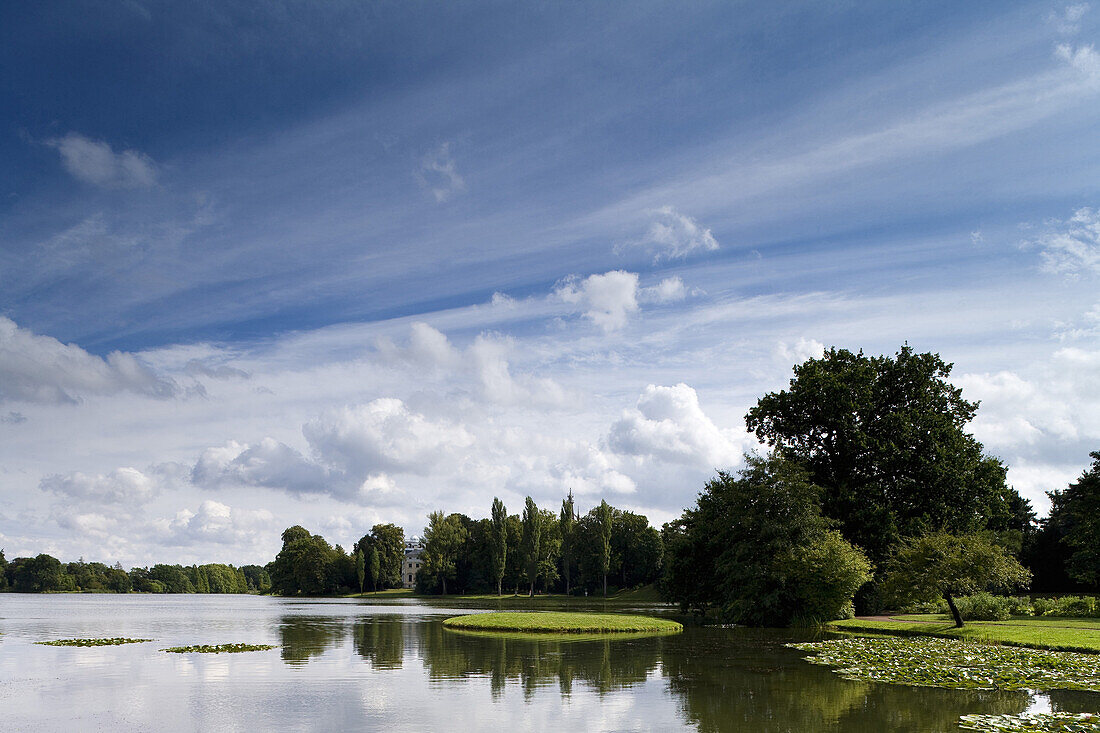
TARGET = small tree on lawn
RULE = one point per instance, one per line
(942, 565)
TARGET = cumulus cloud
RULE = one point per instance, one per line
(95, 162)
(1071, 247)
(672, 235)
(13, 418)
(383, 435)
(799, 351)
(199, 368)
(37, 368)
(607, 300)
(213, 523)
(124, 486)
(668, 423)
(267, 463)
(438, 173)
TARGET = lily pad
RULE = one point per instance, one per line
(114, 641)
(926, 662)
(1032, 723)
(218, 648)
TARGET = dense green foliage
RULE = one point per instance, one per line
(560, 622)
(885, 437)
(388, 542)
(942, 565)
(1065, 553)
(756, 548)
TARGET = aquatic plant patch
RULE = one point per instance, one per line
(929, 662)
(560, 622)
(114, 641)
(1032, 723)
(218, 648)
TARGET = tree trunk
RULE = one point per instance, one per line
(532, 593)
(954, 610)
(444, 579)
(499, 593)
(605, 586)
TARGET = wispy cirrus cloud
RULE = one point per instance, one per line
(438, 173)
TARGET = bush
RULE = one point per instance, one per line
(937, 606)
(985, 607)
(1068, 606)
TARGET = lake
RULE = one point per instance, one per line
(350, 664)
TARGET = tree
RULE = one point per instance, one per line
(1077, 509)
(3, 571)
(603, 517)
(885, 437)
(756, 546)
(498, 538)
(360, 569)
(389, 540)
(636, 549)
(36, 575)
(943, 565)
(566, 520)
(443, 537)
(375, 567)
(532, 534)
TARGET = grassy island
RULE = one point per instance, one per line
(535, 622)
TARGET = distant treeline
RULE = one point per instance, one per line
(536, 551)
(45, 573)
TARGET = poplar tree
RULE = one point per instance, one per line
(532, 531)
(565, 522)
(603, 514)
(499, 542)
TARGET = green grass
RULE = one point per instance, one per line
(1076, 635)
(218, 648)
(114, 641)
(560, 622)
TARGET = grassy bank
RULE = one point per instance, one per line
(560, 622)
(1061, 634)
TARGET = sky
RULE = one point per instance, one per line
(336, 264)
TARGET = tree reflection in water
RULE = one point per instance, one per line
(719, 679)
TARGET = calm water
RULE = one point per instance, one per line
(350, 665)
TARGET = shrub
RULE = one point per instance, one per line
(1068, 606)
(985, 607)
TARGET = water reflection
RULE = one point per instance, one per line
(380, 641)
(601, 664)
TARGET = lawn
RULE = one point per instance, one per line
(1066, 634)
(559, 622)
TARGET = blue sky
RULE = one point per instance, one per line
(346, 263)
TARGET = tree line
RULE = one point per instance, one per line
(45, 574)
(537, 551)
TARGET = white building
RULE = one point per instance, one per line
(411, 562)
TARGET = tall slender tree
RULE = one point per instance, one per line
(375, 567)
(603, 514)
(360, 569)
(565, 522)
(498, 542)
(532, 532)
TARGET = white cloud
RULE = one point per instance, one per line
(1071, 247)
(607, 300)
(672, 235)
(383, 435)
(124, 486)
(213, 523)
(669, 290)
(1068, 21)
(668, 423)
(268, 463)
(1082, 59)
(799, 351)
(439, 173)
(41, 369)
(95, 162)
